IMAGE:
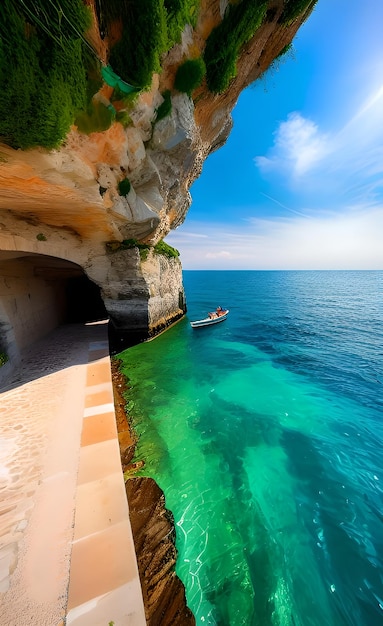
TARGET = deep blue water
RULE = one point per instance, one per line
(265, 433)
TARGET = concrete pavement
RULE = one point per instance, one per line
(66, 548)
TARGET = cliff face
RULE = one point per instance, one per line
(69, 202)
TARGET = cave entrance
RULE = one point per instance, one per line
(84, 302)
(79, 298)
(40, 292)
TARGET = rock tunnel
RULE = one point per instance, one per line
(37, 293)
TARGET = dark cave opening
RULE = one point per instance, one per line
(84, 302)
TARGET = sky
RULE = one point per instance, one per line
(299, 183)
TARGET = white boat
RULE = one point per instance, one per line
(213, 318)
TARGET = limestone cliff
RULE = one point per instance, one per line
(79, 201)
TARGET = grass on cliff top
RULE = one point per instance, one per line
(224, 43)
(160, 248)
(163, 248)
(42, 71)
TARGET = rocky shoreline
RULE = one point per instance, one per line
(152, 527)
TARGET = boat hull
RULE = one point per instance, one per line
(209, 321)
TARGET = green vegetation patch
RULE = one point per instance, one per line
(42, 70)
(160, 248)
(128, 244)
(293, 8)
(163, 248)
(124, 118)
(3, 358)
(224, 43)
(180, 13)
(143, 248)
(190, 75)
(285, 50)
(144, 39)
(165, 107)
(149, 29)
(96, 118)
(124, 187)
(49, 73)
(60, 20)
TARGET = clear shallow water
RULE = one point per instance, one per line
(265, 433)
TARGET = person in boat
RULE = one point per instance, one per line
(212, 315)
(220, 311)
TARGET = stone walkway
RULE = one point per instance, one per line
(66, 548)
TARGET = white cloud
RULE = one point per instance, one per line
(346, 160)
(298, 146)
(223, 254)
(350, 240)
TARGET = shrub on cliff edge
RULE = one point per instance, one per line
(190, 75)
(163, 248)
(160, 248)
(224, 43)
(293, 8)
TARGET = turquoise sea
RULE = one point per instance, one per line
(265, 433)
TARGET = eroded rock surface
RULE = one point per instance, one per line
(153, 533)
